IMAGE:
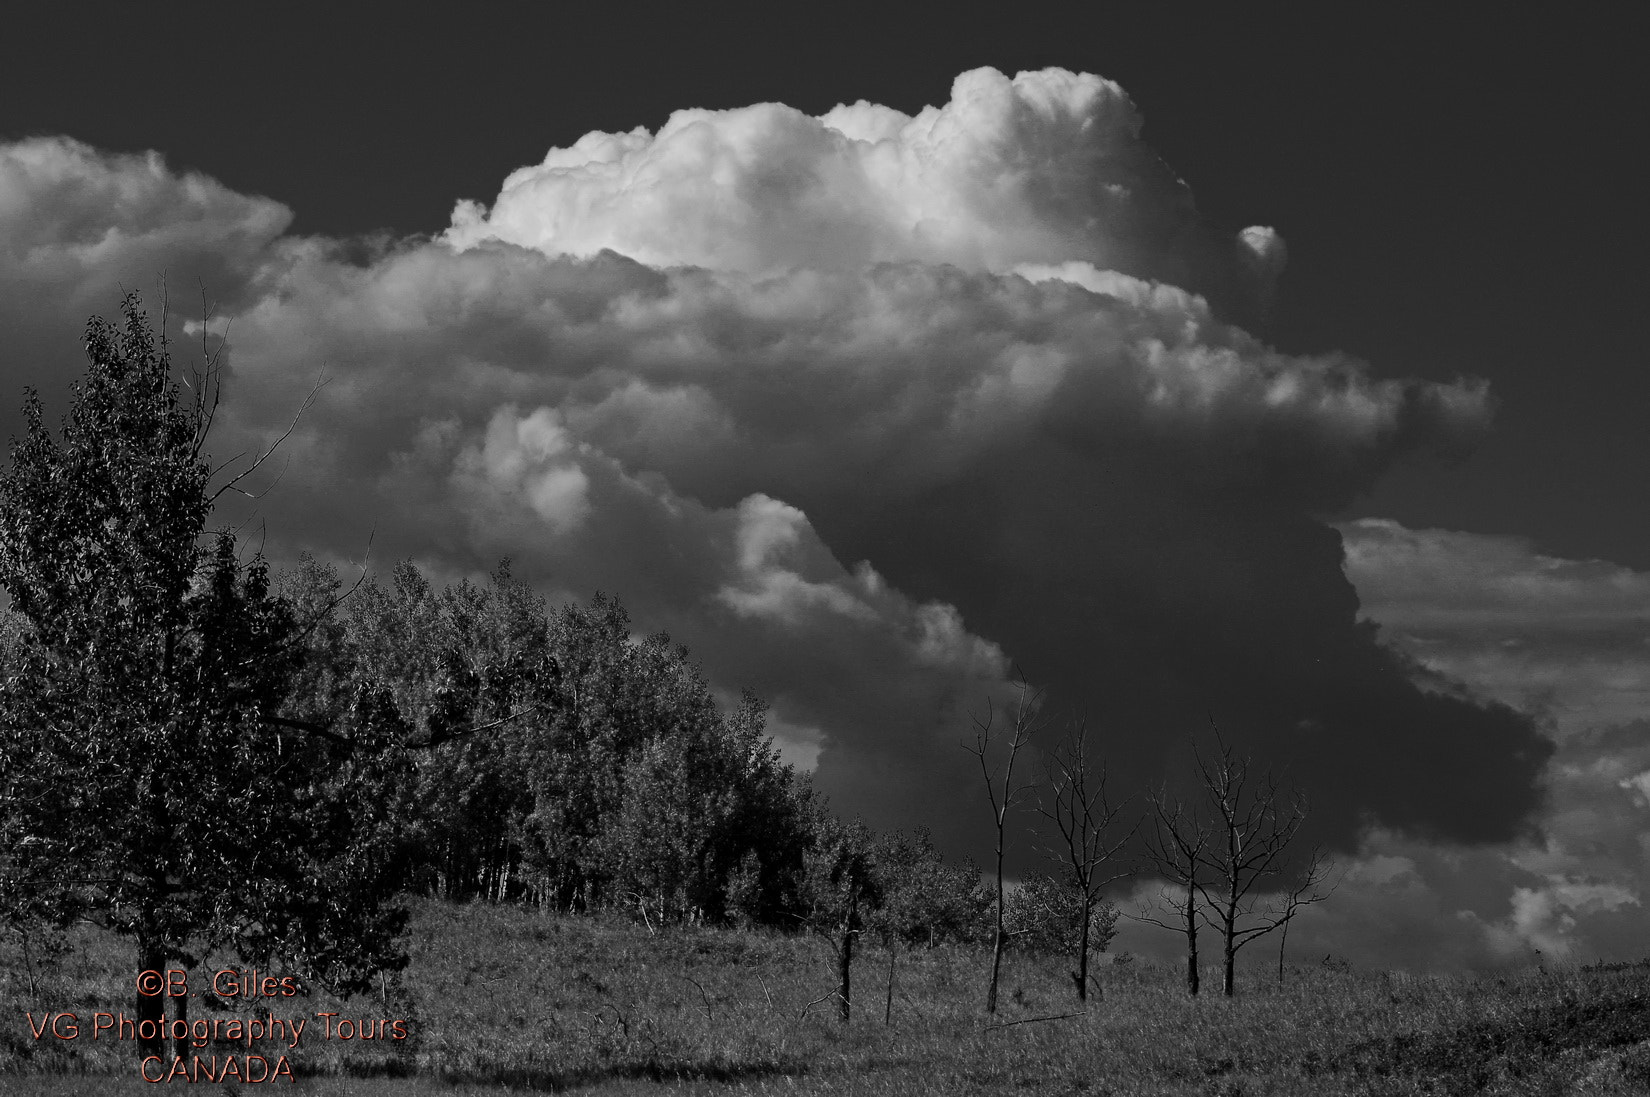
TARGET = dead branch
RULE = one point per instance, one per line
(233, 483)
(709, 1016)
(822, 998)
(1034, 1020)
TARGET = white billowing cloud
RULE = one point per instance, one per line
(1266, 248)
(783, 574)
(68, 210)
(772, 582)
(1263, 255)
(1157, 297)
(530, 459)
(1639, 784)
(1546, 918)
(905, 376)
(751, 586)
(1046, 167)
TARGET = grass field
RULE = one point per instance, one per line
(504, 1000)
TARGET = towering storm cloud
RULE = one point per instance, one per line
(1046, 168)
(864, 408)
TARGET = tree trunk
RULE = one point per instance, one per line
(1191, 940)
(180, 1011)
(888, 1006)
(1081, 975)
(996, 965)
(997, 939)
(1283, 940)
(151, 1008)
(845, 960)
(1229, 932)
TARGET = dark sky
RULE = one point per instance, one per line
(1463, 195)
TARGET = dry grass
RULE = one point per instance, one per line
(500, 1000)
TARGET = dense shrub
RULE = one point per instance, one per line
(1045, 916)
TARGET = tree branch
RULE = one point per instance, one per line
(231, 484)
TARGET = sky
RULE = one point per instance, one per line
(1281, 373)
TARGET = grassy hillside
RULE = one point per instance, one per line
(501, 999)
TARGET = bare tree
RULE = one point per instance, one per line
(1303, 895)
(1003, 793)
(1078, 807)
(1253, 823)
(1174, 848)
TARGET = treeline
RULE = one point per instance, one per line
(550, 758)
(546, 756)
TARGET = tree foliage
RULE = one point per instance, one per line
(558, 759)
(1046, 912)
(141, 783)
(840, 889)
(924, 900)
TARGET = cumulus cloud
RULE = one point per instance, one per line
(527, 459)
(78, 226)
(1546, 916)
(1570, 638)
(1046, 167)
(863, 408)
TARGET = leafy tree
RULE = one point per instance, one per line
(643, 792)
(840, 890)
(574, 759)
(453, 663)
(608, 774)
(924, 901)
(141, 782)
(1046, 915)
(351, 817)
(665, 842)
(767, 841)
(700, 798)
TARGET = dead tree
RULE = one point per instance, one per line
(1003, 793)
(1078, 807)
(1175, 841)
(1303, 895)
(1254, 823)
